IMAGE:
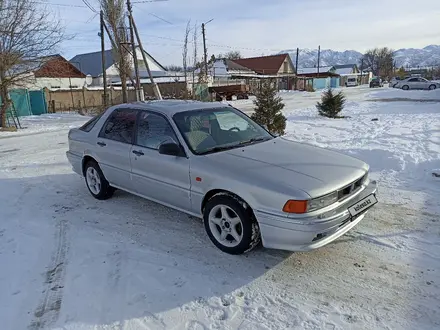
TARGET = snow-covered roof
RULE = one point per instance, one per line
(344, 71)
(315, 70)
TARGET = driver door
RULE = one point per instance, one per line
(159, 177)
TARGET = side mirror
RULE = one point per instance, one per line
(171, 149)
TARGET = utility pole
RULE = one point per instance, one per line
(205, 51)
(296, 68)
(156, 89)
(104, 74)
(139, 91)
(362, 70)
(319, 57)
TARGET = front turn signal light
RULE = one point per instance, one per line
(293, 206)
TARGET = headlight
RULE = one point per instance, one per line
(321, 202)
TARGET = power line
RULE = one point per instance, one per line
(148, 1)
(59, 4)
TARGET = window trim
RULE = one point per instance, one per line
(138, 120)
(110, 116)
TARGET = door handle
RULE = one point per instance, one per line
(102, 144)
(137, 152)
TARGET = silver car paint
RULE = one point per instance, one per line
(264, 175)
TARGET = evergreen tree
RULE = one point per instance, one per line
(331, 104)
(268, 109)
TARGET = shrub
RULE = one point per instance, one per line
(268, 109)
(331, 104)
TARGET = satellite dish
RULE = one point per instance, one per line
(89, 80)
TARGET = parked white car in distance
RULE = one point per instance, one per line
(417, 83)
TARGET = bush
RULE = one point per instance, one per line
(331, 104)
(268, 109)
(309, 88)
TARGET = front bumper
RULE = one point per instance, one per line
(309, 233)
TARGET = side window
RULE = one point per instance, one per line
(413, 80)
(87, 127)
(120, 126)
(154, 130)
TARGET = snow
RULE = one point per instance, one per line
(69, 261)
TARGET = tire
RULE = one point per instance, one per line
(432, 87)
(405, 87)
(231, 214)
(96, 182)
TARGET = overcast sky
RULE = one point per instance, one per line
(256, 27)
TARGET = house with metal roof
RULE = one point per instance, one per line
(346, 69)
(91, 64)
(324, 77)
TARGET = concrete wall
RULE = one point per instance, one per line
(172, 89)
(61, 100)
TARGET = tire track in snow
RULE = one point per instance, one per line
(47, 311)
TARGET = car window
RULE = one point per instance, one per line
(413, 80)
(214, 130)
(154, 130)
(120, 126)
(87, 127)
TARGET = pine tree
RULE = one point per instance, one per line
(331, 104)
(268, 109)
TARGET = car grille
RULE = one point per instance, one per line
(352, 188)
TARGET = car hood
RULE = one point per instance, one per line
(313, 170)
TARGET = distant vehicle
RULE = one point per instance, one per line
(214, 162)
(376, 82)
(351, 81)
(417, 83)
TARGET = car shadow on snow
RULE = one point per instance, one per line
(126, 257)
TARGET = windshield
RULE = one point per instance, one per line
(213, 130)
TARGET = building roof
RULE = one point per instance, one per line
(345, 66)
(91, 63)
(263, 64)
(56, 66)
(345, 69)
(322, 69)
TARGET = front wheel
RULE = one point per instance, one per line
(230, 226)
(432, 87)
(96, 182)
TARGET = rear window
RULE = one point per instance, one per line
(351, 79)
(87, 127)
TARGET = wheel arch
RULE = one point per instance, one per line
(85, 160)
(213, 192)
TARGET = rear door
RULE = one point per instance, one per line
(163, 178)
(114, 145)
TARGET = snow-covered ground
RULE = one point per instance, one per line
(68, 261)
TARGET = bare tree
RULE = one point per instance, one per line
(379, 61)
(231, 55)
(185, 49)
(114, 17)
(28, 33)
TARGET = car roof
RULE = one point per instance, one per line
(171, 107)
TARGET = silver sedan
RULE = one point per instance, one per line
(212, 161)
(417, 83)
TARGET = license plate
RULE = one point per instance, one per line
(362, 205)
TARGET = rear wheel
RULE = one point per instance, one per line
(96, 182)
(230, 226)
(432, 87)
(405, 87)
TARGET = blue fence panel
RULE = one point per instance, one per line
(334, 82)
(38, 102)
(20, 98)
(321, 83)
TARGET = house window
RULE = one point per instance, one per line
(286, 67)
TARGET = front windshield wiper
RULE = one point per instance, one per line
(253, 140)
(219, 148)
